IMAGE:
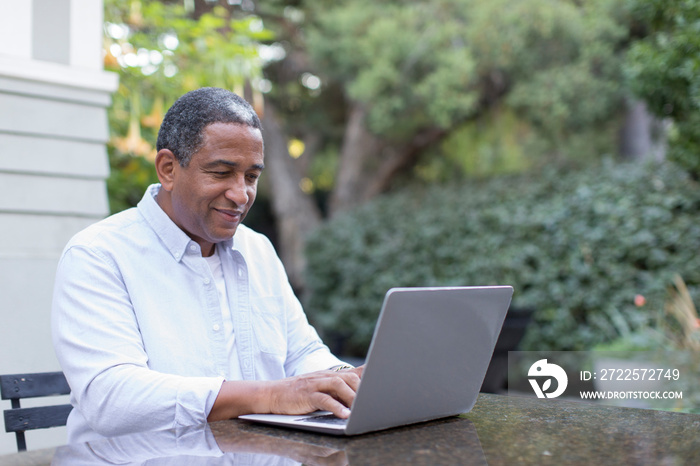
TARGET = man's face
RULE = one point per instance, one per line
(212, 195)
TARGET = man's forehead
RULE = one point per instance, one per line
(233, 164)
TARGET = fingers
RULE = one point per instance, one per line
(325, 390)
(351, 377)
(339, 394)
(358, 370)
(325, 402)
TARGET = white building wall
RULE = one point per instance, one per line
(53, 165)
(15, 28)
(85, 51)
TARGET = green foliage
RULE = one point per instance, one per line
(162, 51)
(566, 99)
(129, 177)
(664, 70)
(578, 247)
(497, 143)
(407, 60)
(439, 63)
(216, 49)
(676, 328)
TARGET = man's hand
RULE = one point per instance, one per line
(323, 390)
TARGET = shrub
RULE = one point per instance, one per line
(662, 69)
(577, 247)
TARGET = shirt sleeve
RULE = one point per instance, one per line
(97, 341)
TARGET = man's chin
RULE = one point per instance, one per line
(222, 228)
(225, 234)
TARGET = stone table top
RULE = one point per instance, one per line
(500, 430)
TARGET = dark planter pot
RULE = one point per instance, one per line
(517, 320)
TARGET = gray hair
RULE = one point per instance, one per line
(182, 130)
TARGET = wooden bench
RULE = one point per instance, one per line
(14, 387)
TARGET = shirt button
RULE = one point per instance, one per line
(216, 327)
(206, 280)
(193, 247)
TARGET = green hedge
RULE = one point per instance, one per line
(576, 246)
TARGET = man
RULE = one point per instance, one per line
(173, 313)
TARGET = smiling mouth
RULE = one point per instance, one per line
(230, 215)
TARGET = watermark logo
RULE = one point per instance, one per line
(665, 380)
(542, 369)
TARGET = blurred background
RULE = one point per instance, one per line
(551, 145)
(547, 144)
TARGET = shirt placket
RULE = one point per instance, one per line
(239, 300)
(212, 309)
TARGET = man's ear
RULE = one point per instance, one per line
(166, 163)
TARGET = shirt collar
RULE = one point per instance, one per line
(174, 239)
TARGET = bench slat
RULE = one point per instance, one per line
(40, 417)
(15, 386)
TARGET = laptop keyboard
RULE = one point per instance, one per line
(325, 419)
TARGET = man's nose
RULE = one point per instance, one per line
(238, 192)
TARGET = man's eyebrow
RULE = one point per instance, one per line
(214, 163)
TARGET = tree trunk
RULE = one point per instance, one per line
(360, 148)
(399, 159)
(366, 169)
(643, 136)
(295, 212)
(368, 165)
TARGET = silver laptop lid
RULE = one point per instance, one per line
(429, 355)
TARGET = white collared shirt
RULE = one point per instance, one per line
(217, 271)
(138, 329)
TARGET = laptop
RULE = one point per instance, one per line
(427, 360)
